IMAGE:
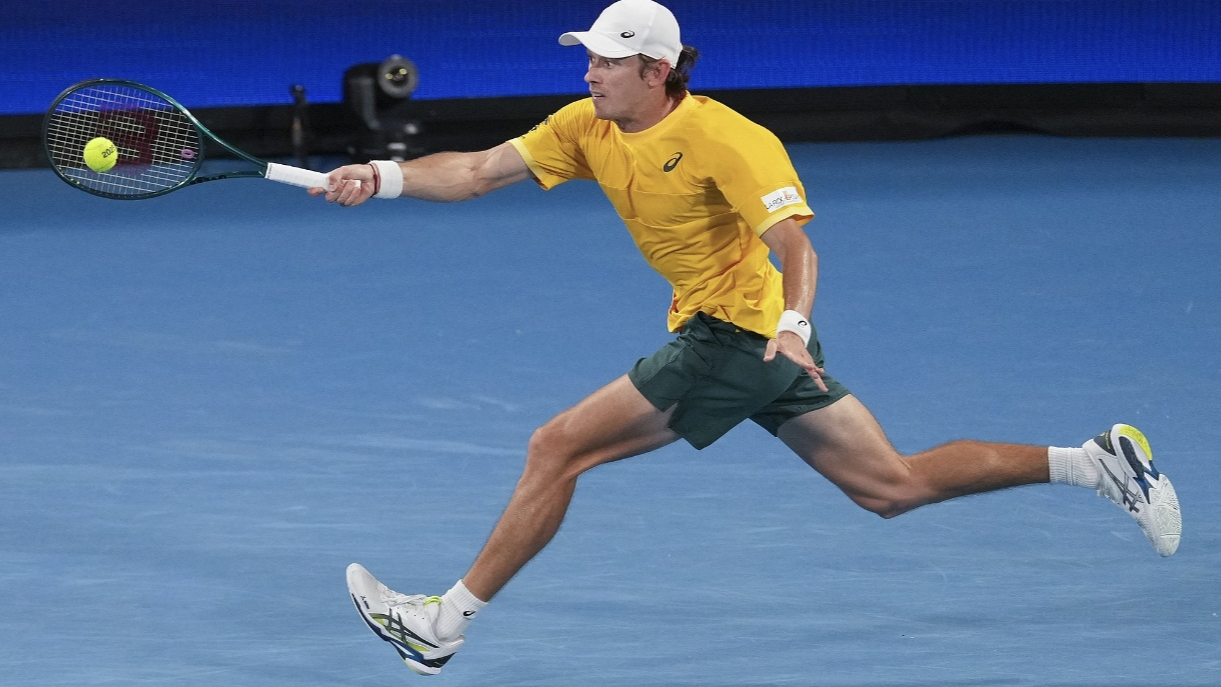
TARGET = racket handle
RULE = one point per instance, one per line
(286, 174)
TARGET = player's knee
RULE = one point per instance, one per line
(890, 509)
(882, 507)
(544, 444)
(549, 450)
(886, 503)
(887, 493)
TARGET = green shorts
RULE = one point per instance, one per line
(714, 373)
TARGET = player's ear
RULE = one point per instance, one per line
(657, 73)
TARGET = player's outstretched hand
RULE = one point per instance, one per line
(790, 346)
(349, 185)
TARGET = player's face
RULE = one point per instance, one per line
(618, 90)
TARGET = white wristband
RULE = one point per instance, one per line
(389, 178)
(793, 321)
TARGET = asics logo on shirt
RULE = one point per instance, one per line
(672, 163)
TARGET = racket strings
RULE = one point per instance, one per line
(158, 146)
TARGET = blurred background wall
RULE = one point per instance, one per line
(816, 70)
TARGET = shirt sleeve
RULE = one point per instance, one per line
(757, 178)
(552, 148)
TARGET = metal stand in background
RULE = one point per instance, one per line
(300, 130)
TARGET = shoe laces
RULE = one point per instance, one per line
(412, 602)
(393, 598)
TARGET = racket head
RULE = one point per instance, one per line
(159, 143)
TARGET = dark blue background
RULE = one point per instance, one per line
(239, 52)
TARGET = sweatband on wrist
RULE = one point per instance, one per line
(387, 179)
(793, 321)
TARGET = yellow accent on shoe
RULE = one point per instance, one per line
(1135, 435)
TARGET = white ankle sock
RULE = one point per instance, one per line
(458, 609)
(1072, 466)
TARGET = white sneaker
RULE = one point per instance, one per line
(406, 622)
(1125, 461)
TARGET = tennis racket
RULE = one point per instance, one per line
(160, 145)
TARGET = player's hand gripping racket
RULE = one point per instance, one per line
(158, 144)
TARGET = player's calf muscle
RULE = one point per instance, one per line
(958, 468)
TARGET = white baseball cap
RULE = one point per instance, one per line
(631, 27)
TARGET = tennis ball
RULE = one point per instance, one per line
(101, 154)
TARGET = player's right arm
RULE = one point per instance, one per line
(442, 177)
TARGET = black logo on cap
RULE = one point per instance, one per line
(672, 163)
(627, 34)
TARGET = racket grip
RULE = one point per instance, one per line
(286, 174)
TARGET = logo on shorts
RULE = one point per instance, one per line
(672, 163)
(627, 34)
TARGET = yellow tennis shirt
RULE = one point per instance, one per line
(695, 190)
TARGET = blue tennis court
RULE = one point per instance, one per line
(213, 401)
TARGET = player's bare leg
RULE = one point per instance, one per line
(614, 422)
(846, 444)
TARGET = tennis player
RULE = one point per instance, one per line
(707, 195)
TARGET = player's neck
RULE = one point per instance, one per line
(648, 117)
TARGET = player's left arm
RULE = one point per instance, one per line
(799, 264)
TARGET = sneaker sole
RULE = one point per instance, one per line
(1161, 499)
